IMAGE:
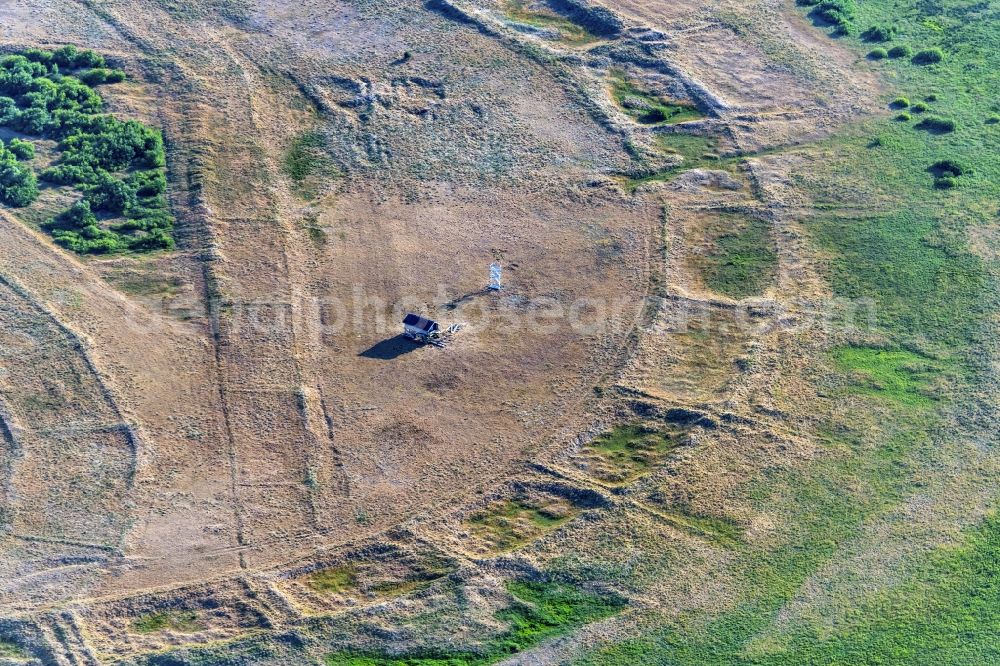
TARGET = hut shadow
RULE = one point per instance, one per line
(454, 303)
(391, 348)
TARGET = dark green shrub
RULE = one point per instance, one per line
(839, 13)
(899, 103)
(39, 56)
(157, 239)
(148, 183)
(949, 168)
(928, 56)
(116, 146)
(904, 117)
(878, 54)
(946, 182)
(93, 77)
(32, 121)
(18, 185)
(901, 51)
(75, 217)
(98, 76)
(68, 174)
(919, 107)
(933, 97)
(8, 110)
(937, 125)
(879, 33)
(110, 194)
(23, 150)
(70, 57)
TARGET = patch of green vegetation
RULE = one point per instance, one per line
(937, 125)
(878, 54)
(838, 13)
(569, 32)
(421, 577)
(185, 622)
(628, 452)
(879, 33)
(308, 164)
(540, 611)
(18, 184)
(924, 285)
(514, 522)
(23, 150)
(696, 152)
(317, 234)
(901, 51)
(818, 509)
(647, 108)
(928, 56)
(742, 259)
(692, 147)
(149, 285)
(911, 258)
(9, 650)
(903, 376)
(117, 165)
(946, 611)
(334, 580)
(717, 529)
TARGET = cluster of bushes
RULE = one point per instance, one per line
(839, 13)
(18, 185)
(924, 57)
(117, 165)
(947, 172)
(78, 229)
(934, 124)
(882, 34)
